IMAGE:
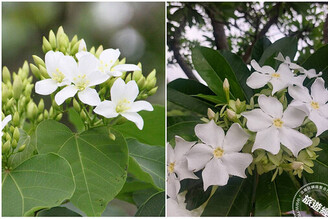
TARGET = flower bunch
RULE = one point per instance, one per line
(277, 131)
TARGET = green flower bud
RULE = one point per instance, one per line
(28, 90)
(60, 32)
(35, 71)
(6, 147)
(152, 91)
(52, 39)
(46, 114)
(232, 116)
(6, 77)
(151, 83)
(22, 148)
(92, 50)
(226, 88)
(41, 106)
(210, 114)
(141, 83)
(46, 45)
(111, 135)
(10, 103)
(75, 48)
(121, 62)
(5, 92)
(8, 137)
(17, 87)
(74, 40)
(63, 42)
(51, 112)
(16, 134)
(83, 115)
(99, 50)
(12, 129)
(40, 118)
(76, 105)
(142, 96)
(59, 116)
(151, 75)
(32, 110)
(128, 78)
(26, 68)
(136, 75)
(14, 144)
(38, 61)
(43, 72)
(16, 119)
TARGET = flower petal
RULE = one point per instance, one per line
(215, 173)
(97, 77)
(235, 138)
(89, 96)
(117, 90)
(324, 110)
(110, 56)
(114, 73)
(305, 107)
(182, 147)
(82, 45)
(52, 60)
(69, 67)
(294, 140)
(299, 93)
(267, 139)
(257, 120)
(280, 57)
(236, 163)
(181, 169)
(131, 91)
(126, 67)
(257, 80)
(45, 87)
(320, 122)
(140, 105)
(134, 117)
(271, 106)
(173, 185)
(264, 69)
(293, 117)
(278, 84)
(65, 93)
(198, 157)
(319, 92)
(5, 121)
(88, 65)
(106, 109)
(210, 133)
(170, 154)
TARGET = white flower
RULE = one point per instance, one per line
(108, 58)
(177, 207)
(177, 167)
(82, 49)
(314, 105)
(275, 127)
(309, 73)
(57, 68)
(123, 103)
(83, 75)
(219, 154)
(4, 122)
(279, 79)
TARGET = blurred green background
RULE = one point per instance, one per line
(137, 29)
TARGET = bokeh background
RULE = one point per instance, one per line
(136, 28)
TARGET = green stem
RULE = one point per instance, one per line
(294, 180)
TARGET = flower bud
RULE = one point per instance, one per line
(12, 129)
(63, 42)
(296, 165)
(74, 40)
(38, 61)
(6, 147)
(92, 50)
(152, 91)
(10, 103)
(136, 75)
(28, 90)
(43, 72)
(41, 106)
(16, 134)
(99, 50)
(83, 115)
(76, 105)
(8, 137)
(17, 87)
(121, 62)
(46, 45)
(52, 39)
(60, 32)
(40, 118)
(32, 110)
(5, 92)
(141, 82)
(22, 148)
(82, 46)
(35, 71)
(231, 115)
(210, 114)
(16, 120)
(111, 135)
(59, 117)
(46, 114)
(51, 112)
(151, 83)
(226, 88)
(14, 144)
(6, 77)
(128, 78)
(151, 75)
(75, 48)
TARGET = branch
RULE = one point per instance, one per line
(325, 30)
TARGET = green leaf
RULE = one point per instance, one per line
(214, 68)
(212, 98)
(75, 118)
(172, 120)
(233, 199)
(260, 46)
(43, 181)
(184, 130)
(126, 194)
(142, 196)
(240, 70)
(287, 46)
(154, 206)
(58, 212)
(153, 132)
(320, 167)
(190, 87)
(317, 60)
(147, 163)
(99, 164)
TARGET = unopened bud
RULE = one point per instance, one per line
(46, 45)
(16, 121)
(226, 88)
(151, 83)
(111, 135)
(141, 82)
(99, 51)
(51, 112)
(296, 165)
(32, 110)
(92, 50)
(210, 114)
(75, 48)
(43, 72)
(152, 91)
(136, 75)
(128, 78)
(41, 106)
(38, 61)
(22, 148)
(6, 147)
(14, 144)
(83, 115)
(40, 118)
(76, 105)
(152, 75)
(8, 137)
(16, 134)
(35, 71)
(231, 115)
(74, 40)
(17, 87)
(10, 103)
(121, 62)
(63, 42)
(52, 39)
(60, 32)
(6, 77)
(46, 114)
(59, 116)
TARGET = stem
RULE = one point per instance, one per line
(294, 180)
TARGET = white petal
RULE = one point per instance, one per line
(236, 163)
(82, 45)
(264, 69)
(319, 92)
(65, 93)
(114, 73)
(271, 106)
(324, 110)
(182, 147)
(140, 105)
(278, 84)
(106, 109)
(110, 56)
(257, 80)
(174, 209)
(45, 87)
(170, 154)
(299, 93)
(294, 140)
(134, 117)
(131, 91)
(298, 80)
(267, 139)
(88, 64)
(117, 90)
(80, 54)
(97, 77)
(320, 122)
(69, 67)
(89, 96)
(293, 117)
(52, 60)
(126, 67)
(311, 73)
(210, 133)
(198, 156)
(284, 70)
(173, 185)
(295, 66)
(5, 121)
(257, 120)
(181, 169)
(280, 57)
(305, 107)
(235, 139)
(215, 173)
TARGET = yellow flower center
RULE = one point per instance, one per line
(103, 66)
(278, 123)
(171, 167)
(218, 152)
(58, 76)
(275, 75)
(315, 105)
(122, 105)
(81, 82)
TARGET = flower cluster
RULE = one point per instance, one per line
(274, 134)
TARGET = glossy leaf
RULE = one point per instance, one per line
(259, 47)
(184, 130)
(58, 212)
(153, 132)
(154, 206)
(99, 164)
(147, 163)
(43, 181)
